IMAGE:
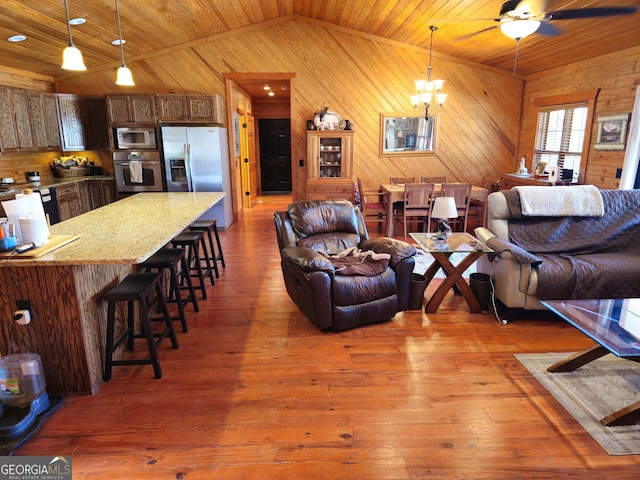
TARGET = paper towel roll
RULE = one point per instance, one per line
(34, 230)
(35, 203)
(23, 206)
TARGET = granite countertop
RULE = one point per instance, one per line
(10, 189)
(125, 232)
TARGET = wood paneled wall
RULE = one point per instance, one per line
(616, 76)
(357, 75)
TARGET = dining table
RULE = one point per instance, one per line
(395, 193)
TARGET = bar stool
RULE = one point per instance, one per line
(209, 226)
(173, 260)
(137, 287)
(191, 242)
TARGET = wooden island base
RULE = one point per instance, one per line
(66, 286)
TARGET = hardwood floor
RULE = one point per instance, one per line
(256, 392)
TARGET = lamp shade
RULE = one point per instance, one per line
(72, 59)
(518, 29)
(444, 207)
(124, 77)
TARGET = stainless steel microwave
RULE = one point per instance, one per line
(134, 138)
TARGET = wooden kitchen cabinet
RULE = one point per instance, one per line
(15, 131)
(330, 164)
(101, 192)
(131, 109)
(69, 202)
(97, 127)
(45, 121)
(190, 108)
(72, 112)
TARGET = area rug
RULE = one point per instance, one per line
(592, 392)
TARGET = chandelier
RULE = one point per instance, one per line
(428, 91)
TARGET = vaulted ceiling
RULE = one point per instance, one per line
(154, 25)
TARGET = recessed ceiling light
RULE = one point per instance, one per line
(267, 87)
(77, 21)
(117, 41)
(17, 38)
(271, 94)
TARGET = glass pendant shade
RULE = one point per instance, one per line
(72, 59)
(124, 77)
(518, 29)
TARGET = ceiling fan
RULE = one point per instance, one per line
(520, 18)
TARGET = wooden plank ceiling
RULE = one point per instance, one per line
(154, 25)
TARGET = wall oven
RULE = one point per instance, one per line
(134, 138)
(138, 172)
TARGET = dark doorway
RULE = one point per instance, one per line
(275, 155)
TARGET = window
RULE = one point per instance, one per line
(563, 132)
(560, 137)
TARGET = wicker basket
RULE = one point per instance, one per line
(71, 172)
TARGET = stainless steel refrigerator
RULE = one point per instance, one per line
(196, 159)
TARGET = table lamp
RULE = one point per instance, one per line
(443, 208)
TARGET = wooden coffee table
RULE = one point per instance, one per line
(615, 327)
(441, 251)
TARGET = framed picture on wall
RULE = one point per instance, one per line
(612, 132)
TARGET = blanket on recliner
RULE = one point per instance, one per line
(584, 257)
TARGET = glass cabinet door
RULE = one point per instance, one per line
(330, 157)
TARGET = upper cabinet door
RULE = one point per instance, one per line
(44, 120)
(131, 109)
(20, 103)
(190, 108)
(8, 137)
(72, 111)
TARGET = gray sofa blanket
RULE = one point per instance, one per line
(584, 257)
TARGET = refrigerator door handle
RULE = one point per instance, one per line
(187, 166)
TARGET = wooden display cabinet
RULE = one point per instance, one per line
(330, 164)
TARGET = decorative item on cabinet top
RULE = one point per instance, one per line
(327, 120)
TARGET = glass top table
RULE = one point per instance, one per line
(441, 251)
(614, 324)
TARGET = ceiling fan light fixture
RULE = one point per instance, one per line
(519, 29)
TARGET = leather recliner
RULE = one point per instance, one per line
(331, 300)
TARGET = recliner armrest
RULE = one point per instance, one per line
(398, 249)
(307, 260)
(483, 234)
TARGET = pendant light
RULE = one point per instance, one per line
(71, 57)
(124, 76)
(428, 91)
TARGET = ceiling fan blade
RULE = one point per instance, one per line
(471, 35)
(589, 12)
(548, 29)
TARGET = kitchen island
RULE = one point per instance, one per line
(65, 287)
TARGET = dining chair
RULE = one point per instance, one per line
(461, 192)
(442, 179)
(418, 198)
(397, 206)
(398, 180)
(373, 205)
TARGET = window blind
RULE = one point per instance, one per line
(560, 131)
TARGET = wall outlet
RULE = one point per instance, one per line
(618, 172)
